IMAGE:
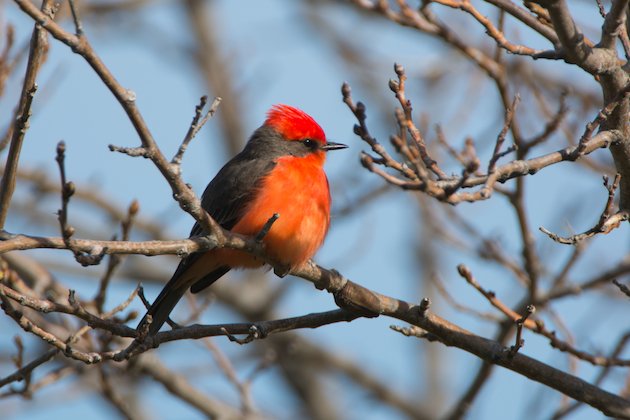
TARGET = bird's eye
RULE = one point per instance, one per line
(311, 144)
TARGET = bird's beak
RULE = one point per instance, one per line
(333, 146)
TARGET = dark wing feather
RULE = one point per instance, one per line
(225, 199)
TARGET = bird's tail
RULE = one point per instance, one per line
(162, 307)
(172, 293)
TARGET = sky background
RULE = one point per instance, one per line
(277, 58)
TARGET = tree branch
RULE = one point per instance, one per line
(36, 57)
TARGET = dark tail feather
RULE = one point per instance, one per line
(171, 294)
(162, 308)
(209, 278)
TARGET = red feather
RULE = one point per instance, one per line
(294, 124)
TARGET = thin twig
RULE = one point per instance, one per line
(78, 26)
(197, 123)
(266, 227)
(538, 326)
(606, 223)
(67, 231)
(36, 57)
(519, 342)
(625, 289)
(114, 260)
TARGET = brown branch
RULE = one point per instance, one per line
(447, 333)
(492, 31)
(215, 68)
(25, 371)
(362, 131)
(6, 69)
(599, 280)
(527, 18)
(78, 26)
(599, 119)
(452, 335)
(42, 182)
(73, 308)
(550, 127)
(112, 395)
(613, 24)
(497, 153)
(625, 289)
(623, 341)
(446, 189)
(182, 193)
(197, 123)
(114, 260)
(492, 298)
(243, 387)
(537, 326)
(178, 385)
(10, 242)
(407, 124)
(27, 325)
(36, 57)
(572, 39)
(518, 341)
(252, 331)
(67, 191)
(607, 221)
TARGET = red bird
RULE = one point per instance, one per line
(280, 170)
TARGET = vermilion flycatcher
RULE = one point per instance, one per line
(280, 170)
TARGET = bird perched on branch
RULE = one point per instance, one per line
(280, 171)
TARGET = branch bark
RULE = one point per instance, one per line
(36, 57)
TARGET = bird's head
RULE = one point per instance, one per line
(305, 136)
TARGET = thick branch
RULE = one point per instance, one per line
(613, 24)
(452, 335)
(571, 38)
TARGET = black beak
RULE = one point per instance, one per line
(333, 146)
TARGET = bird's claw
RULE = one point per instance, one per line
(282, 270)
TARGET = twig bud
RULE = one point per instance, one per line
(345, 89)
(134, 208)
(394, 86)
(361, 108)
(69, 189)
(61, 147)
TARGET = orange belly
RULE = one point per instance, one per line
(296, 189)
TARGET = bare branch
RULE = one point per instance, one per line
(537, 326)
(613, 24)
(114, 260)
(446, 189)
(492, 31)
(572, 39)
(450, 334)
(607, 221)
(36, 57)
(519, 342)
(197, 123)
(80, 45)
(625, 289)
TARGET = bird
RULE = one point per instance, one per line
(280, 171)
